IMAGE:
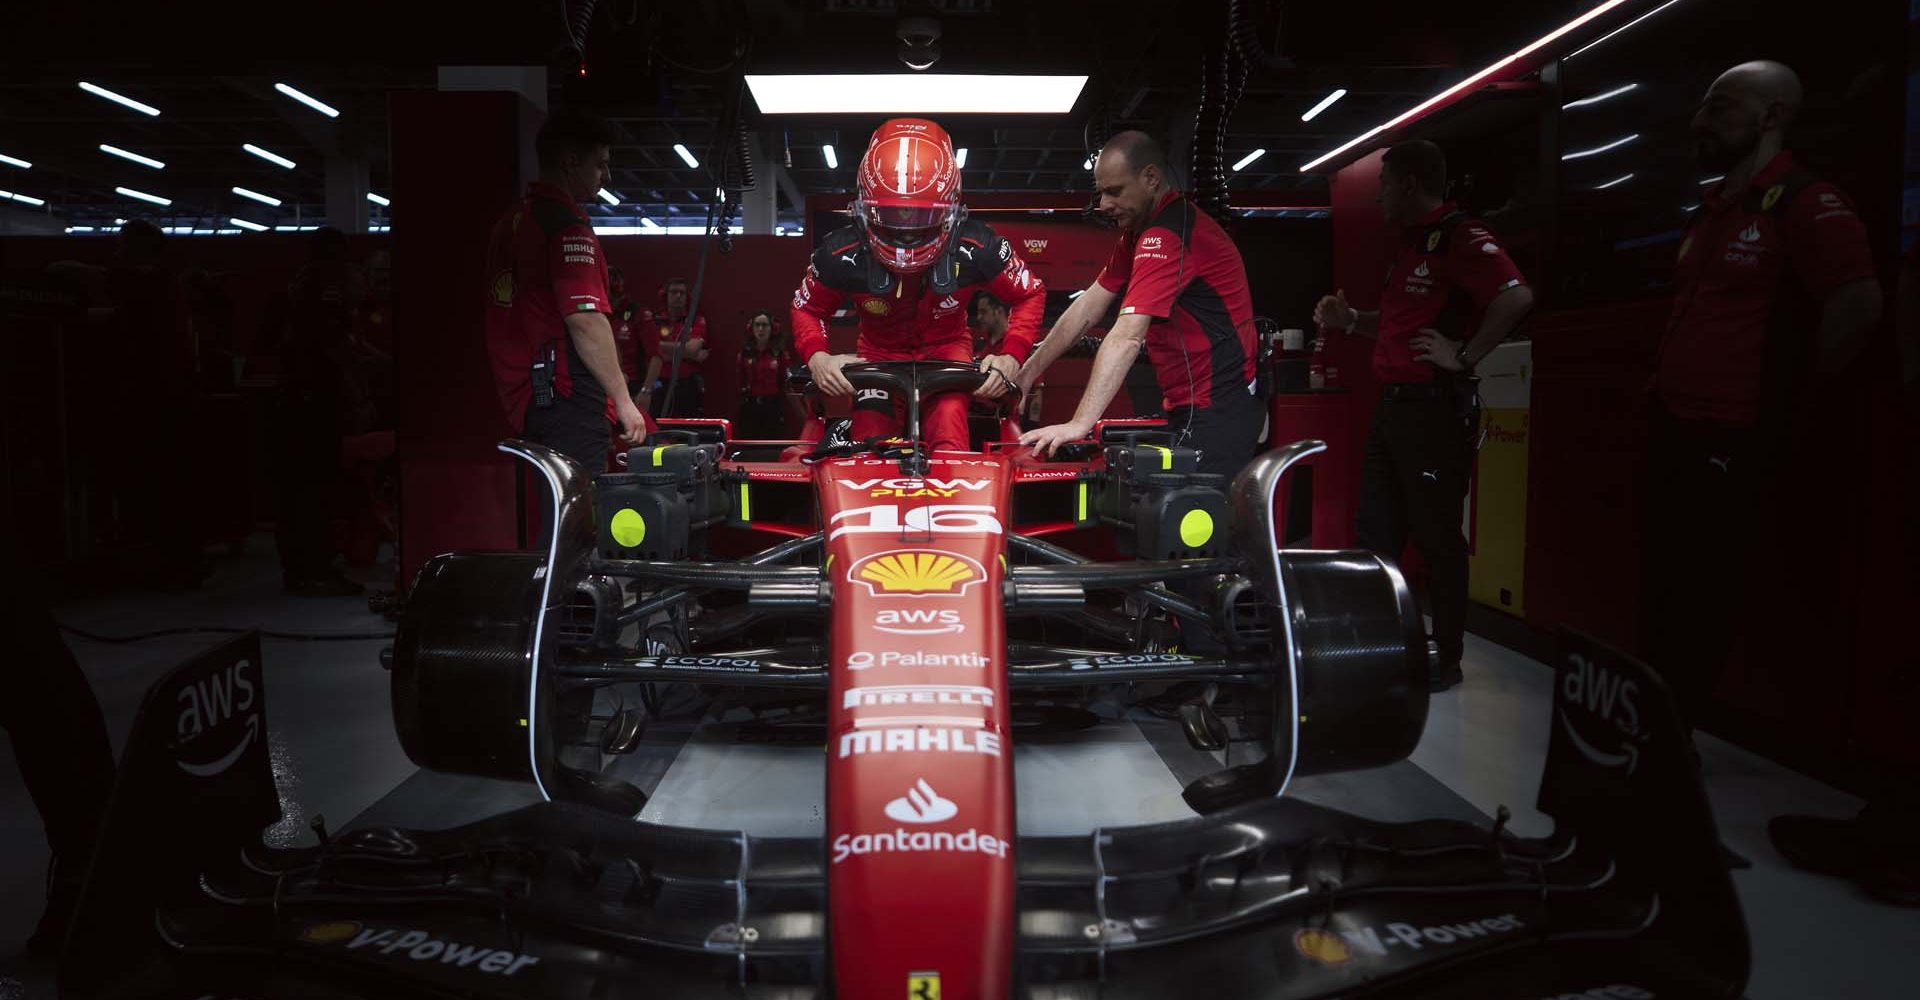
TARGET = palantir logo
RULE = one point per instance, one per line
(921, 804)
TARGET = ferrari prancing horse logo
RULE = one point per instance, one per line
(923, 986)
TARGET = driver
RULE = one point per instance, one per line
(908, 267)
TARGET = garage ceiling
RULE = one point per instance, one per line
(666, 72)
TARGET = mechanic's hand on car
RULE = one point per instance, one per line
(825, 369)
(1043, 440)
(1431, 346)
(633, 426)
(1002, 372)
(1333, 313)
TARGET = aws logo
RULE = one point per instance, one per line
(916, 573)
(213, 707)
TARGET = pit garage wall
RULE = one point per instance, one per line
(1826, 677)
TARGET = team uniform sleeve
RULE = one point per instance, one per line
(814, 302)
(1828, 243)
(1479, 264)
(1158, 274)
(579, 278)
(1119, 268)
(1026, 298)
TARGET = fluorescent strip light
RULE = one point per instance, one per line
(1076, 293)
(1715, 179)
(1087, 165)
(1621, 28)
(1597, 98)
(143, 196)
(79, 229)
(244, 224)
(1249, 158)
(1597, 150)
(1690, 209)
(647, 223)
(97, 91)
(225, 232)
(1325, 103)
(379, 229)
(913, 93)
(605, 195)
(960, 157)
(686, 156)
(177, 230)
(201, 232)
(15, 162)
(1470, 81)
(270, 157)
(833, 158)
(316, 105)
(1616, 180)
(257, 196)
(294, 229)
(23, 199)
(145, 161)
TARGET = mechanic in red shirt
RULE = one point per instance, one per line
(1774, 292)
(763, 364)
(907, 268)
(548, 335)
(990, 320)
(1451, 296)
(1185, 294)
(675, 350)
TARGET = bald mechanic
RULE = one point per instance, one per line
(1185, 296)
(1451, 296)
(1774, 294)
(549, 335)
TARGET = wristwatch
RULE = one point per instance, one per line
(1461, 357)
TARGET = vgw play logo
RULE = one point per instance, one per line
(218, 711)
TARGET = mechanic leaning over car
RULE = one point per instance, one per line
(907, 268)
(1449, 277)
(1185, 295)
(555, 364)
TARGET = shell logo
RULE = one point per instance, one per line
(502, 288)
(1322, 946)
(330, 932)
(877, 307)
(916, 573)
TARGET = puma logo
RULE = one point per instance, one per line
(1720, 462)
(1435, 476)
(848, 258)
(965, 251)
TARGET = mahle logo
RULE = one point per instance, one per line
(917, 573)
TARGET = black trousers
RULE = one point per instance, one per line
(306, 482)
(575, 426)
(1225, 433)
(1701, 493)
(689, 397)
(1413, 484)
(762, 418)
(58, 735)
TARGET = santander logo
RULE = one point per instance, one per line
(921, 804)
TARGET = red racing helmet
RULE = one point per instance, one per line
(909, 200)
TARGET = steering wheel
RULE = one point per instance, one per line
(911, 379)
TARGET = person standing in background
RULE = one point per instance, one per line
(678, 349)
(1451, 297)
(624, 317)
(763, 364)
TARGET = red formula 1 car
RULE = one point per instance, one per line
(918, 616)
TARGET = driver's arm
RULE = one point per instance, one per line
(1073, 324)
(814, 302)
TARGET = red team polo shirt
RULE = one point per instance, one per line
(763, 373)
(1439, 270)
(1183, 271)
(1728, 280)
(658, 335)
(543, 262)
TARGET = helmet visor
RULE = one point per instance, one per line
(907, 225)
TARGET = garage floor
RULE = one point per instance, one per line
(336, 755)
